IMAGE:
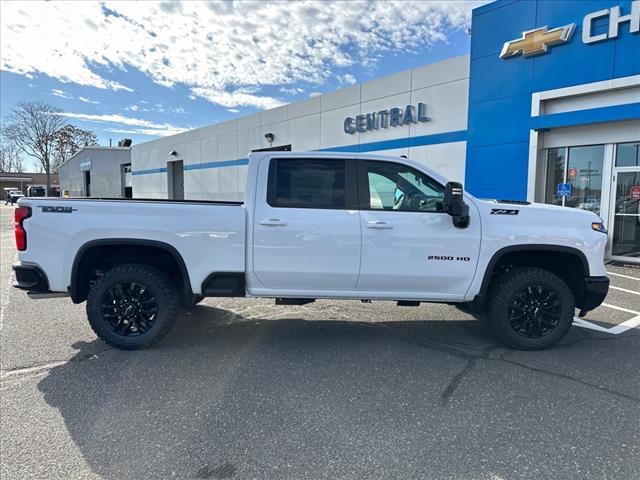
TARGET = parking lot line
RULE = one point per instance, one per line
(625, 290)
(617, 330)
(623, 276)
(622, 309)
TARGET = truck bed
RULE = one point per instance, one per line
(208, 236)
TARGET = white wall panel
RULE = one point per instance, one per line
(228, 126)
(249, 121)
(456, 68)
(386, 86)
(280, 131)
(209, 149)
(278, 114)
(248, 140)
(228, 146)
(304, 132)
(306, 107)
(340, 98)
(332, 127)
(446, 106)
(448, 159)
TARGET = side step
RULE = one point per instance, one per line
(294, 301)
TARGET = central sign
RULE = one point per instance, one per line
(393, 117)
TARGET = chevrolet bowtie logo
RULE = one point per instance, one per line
(535, 42)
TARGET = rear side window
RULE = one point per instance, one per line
(307, 183)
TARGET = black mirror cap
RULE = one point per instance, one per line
(454, 204)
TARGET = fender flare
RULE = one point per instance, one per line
(184, 273)
(486, 280)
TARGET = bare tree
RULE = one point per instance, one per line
(10, 159)
(68, 141)
(31, 126)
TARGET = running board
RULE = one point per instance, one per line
(408, 303)
(294, 301)
(39, 296)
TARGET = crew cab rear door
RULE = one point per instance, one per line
(306, 232)
(409, 244)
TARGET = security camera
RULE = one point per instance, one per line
(173, 153)
(269, 137)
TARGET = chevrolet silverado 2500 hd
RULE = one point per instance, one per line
(317, 225)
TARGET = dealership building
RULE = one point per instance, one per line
(546, 107)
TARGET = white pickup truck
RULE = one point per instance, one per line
(317, 225)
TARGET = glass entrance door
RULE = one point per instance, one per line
(625, 238)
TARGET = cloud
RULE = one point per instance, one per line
(145, 131)
(224, 52)
(233, 110)
(314, 94)
(291, 90)
(346, 79)
(149, 127)
(86, 100)
(60, 93)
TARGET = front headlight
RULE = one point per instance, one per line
(599, 227)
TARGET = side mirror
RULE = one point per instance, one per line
(454, 204)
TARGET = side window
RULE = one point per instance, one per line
(393, 186)
(307, 183)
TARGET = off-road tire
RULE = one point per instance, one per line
(159, 285)
(504, 292)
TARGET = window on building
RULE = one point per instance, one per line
(628, 154)
(556, 165)
(582, 169)
(308, 183)
(393, 186)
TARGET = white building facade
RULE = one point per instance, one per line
(420, 113)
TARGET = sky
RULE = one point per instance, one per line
(143, 70)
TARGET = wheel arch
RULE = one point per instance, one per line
(78, 290)
(559, 259)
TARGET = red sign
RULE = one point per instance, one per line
(634, 192)
(573, 172)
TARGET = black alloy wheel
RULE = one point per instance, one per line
(534, 311)
(530, 308)
(132, 306)
(129, 308)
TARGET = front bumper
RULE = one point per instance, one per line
(30, 278)
(595, 291)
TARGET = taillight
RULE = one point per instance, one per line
(21, 235)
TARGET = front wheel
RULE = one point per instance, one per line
(530, 308)
(132, 306)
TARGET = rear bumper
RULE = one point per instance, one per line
(596, 289)
(30, 278)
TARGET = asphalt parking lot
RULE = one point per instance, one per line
(246, 389)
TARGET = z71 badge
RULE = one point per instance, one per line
(52, 209)
(504, 211)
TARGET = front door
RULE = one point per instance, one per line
(625, 238)
(175, 177)
(307, 232)
(625, 200)
(408, 243)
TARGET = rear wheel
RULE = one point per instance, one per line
(530, 308)
(132, 306)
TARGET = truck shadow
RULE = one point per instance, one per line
(227, 397)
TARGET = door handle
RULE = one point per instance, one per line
(379, 225)
(273, 222)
